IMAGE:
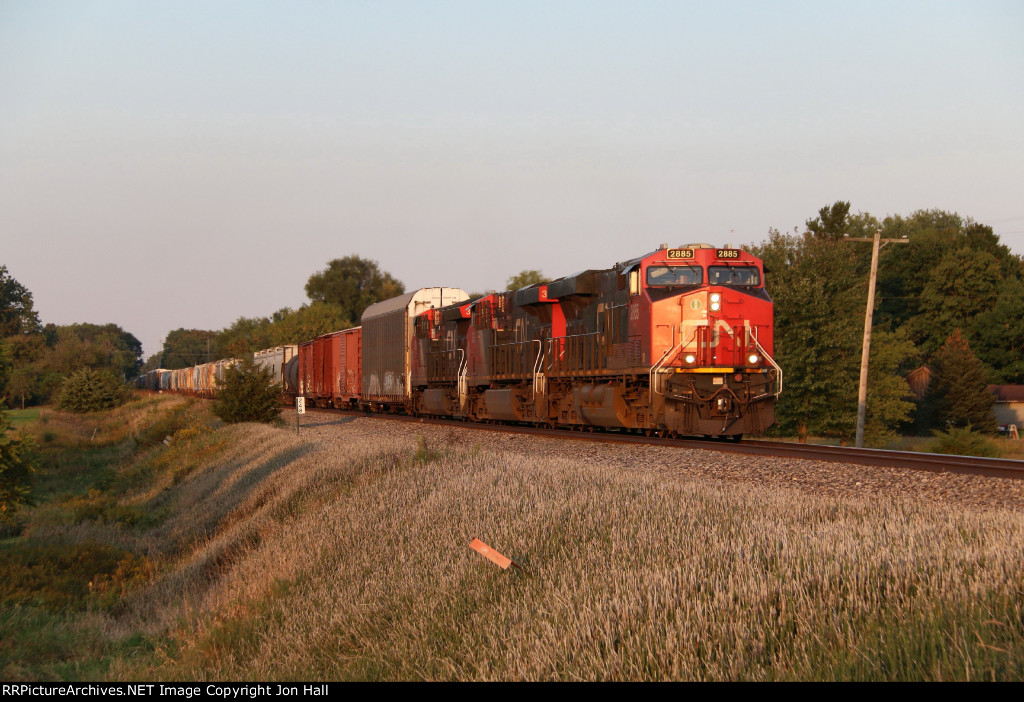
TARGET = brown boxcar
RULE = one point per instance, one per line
(330, 368)
(350, 366)
(305, 388)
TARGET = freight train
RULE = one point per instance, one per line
(678, 341)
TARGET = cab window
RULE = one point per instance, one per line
(736, 276)
(669, 276)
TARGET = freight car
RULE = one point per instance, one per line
(327, 369)
(275, 360)
(678, 341)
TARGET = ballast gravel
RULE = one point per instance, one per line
(817, 477)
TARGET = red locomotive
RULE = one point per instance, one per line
(678, 341)
(675, 342)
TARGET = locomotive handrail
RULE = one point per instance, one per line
(463, 386)
(776, 366)
(582, 365)
(652, 380)
(521, 369)
(513, 343)
(537, 364)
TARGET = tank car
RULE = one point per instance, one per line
(275, 360)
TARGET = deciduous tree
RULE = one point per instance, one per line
(16, 461)
(523, 279)
(184, 348)
(817, 296)
(818, 282)
(286, 326)
(951, 271)
(999, 333)
(17, 315)
(353, 284)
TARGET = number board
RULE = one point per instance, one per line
(727, 253)
(300, 405)
(676, 254)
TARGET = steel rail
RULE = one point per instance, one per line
(934, 462)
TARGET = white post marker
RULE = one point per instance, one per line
(300, 408)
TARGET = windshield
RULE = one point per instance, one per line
(664, 276)
(744, 276)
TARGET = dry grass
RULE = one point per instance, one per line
(245, 552)
(101, 428)
(292, 558)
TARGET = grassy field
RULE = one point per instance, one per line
(21, 418)
(248, 553)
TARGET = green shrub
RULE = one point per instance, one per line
(16, 466)
(963, 441)
(247, 395)
(89, 390)
(67, 576)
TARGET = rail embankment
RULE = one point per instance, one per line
(248, 552)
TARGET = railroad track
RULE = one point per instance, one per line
(937, 463)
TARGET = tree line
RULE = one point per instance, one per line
(41, 356)
(951, 300)
(338, 295)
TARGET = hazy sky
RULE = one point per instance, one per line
(181, 164)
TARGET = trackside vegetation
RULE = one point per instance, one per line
(88, 390)
(247, 395)
(166, 545)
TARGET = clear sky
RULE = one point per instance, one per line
(181, 164)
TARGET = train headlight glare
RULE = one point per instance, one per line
(690, 358)
(715, 306)
(715, 297)
(753, 358)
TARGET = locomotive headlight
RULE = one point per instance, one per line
(753, 358)
(715, 297)
(716, 302)
(690, 358)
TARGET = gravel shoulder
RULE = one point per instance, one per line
(680, 464)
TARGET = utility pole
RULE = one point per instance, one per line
(862, 393)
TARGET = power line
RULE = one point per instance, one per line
(1004, 219)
